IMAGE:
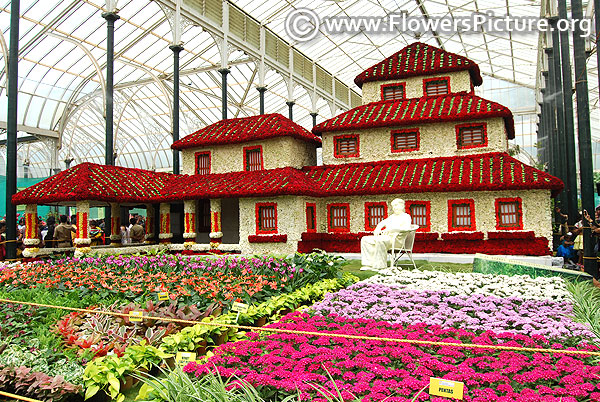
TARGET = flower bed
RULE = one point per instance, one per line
(469, 283)
(190, 280)
(131, 281)
(124, 283)
(281, 364)
(195, 338)
(474, 313)
(102, 334)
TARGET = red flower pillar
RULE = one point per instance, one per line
(150, 216)
(216, 236)
(82, 239)
(115, 224)
(31, 240)
(189, 235)
(165, 234)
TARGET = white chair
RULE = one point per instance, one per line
(402, 243)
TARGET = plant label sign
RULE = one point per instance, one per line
(163, 296)
(183, 358)
(240, 307)
(136, 316)
(448, 388)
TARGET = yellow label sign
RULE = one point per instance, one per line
(162, 296)
(136, 316)
(183, 358)
(448, 388)
(239, 307)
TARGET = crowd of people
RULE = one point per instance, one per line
(61, 235)
(570, 238)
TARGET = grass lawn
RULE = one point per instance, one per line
(354, 266)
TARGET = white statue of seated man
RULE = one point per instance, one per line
(374, 249)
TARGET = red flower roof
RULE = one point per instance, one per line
(89, 181)
(259, 183)
(461, 106)
(418, 59)
(481, 172)
(234, 131)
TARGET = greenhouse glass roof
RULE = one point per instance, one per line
(63, 56)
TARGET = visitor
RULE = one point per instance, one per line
(125, 235)
(20, 237)
(136, 231)
(566, 250)
(2, 239)
(96, 234)
(63, 233)
(49, 238)
(595, 227)
(578, 241)
(40, 231)
(73, 221)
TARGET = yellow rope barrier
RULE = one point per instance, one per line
(18, 397)
(313, 333)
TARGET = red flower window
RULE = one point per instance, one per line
(202, 162)
(509, 214)
(405, 140)
(375, 212)
(338, 217)
(420, 212)
(253, 158)
(471, 135)
(393, 91)
(461, 215)
(311, 217)
(346, 146)
(266, 217)
(436, 86)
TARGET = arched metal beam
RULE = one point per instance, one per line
(158, 82)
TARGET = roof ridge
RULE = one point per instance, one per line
(404, 63)
(246, 129)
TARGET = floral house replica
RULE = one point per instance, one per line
(252, 185)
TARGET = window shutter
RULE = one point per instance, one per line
(472, 135)
(461, 215)
(418, 213)
(376, 214)
(203, 163)
(253, 159)
(437, 87)
(267, 220)
(405, 140)
(508, 213)
(394, 92)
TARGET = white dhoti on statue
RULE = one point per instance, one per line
(374, 251)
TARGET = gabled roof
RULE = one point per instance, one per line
(418, 59)
(89, 181)
(460, 106)
(481, 172)
(245, 129)
(92, 182)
